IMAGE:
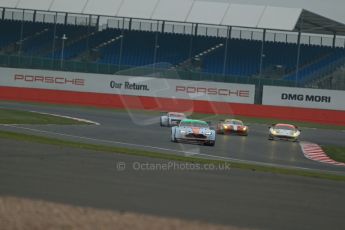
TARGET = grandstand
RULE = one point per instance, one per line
(275, 45)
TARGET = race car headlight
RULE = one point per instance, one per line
(295, 134)
(225, 126)
(208, 133)
(274, 132)
(245, 128)
(182, 131)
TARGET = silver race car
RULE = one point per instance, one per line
(171, 119)
(195, 131)
(284, 131)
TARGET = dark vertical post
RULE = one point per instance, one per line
(298, 56)
(298, 49)
(54, 36)
(228, 35)
(262, 53)
(66, 18)
(21, 35)
(163, 27)
(88, 35)
(193, 33)
(34, 16)
(259, 88)
(156, 46)
(196, 29)
(121, 42)
(97, 22)
(63, 39)
(334, 38)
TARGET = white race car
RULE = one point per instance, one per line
(193, 131)
(171, 119)
(284, 131)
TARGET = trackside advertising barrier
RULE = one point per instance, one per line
(127, 85)
(147, 93)
(304, 98)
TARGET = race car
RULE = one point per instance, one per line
(284, 131)
(171, 119)
(232, 126)
(195, 131)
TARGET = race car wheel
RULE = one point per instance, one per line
(210, 143)
(173, 138)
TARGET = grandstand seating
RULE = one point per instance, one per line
(144, 48)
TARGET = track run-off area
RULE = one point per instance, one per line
(235, 198)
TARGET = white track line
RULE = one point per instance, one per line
(166, 149)
(68, 117)
(314, 152)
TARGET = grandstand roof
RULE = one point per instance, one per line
(193, 11)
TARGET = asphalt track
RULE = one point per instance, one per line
(142, 130)
(233, 197)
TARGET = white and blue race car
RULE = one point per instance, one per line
(195, 131)
(171, 119)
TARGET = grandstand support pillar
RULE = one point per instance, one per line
(63, 39)
(21, 35)
(89, 29)
(193, 33)
(334, 38)
(262, 52)
(129, 24)
(121, 43)
(156, 46)
(298, 56)
(97, 22)
(259, 88)
(34, 16)
(54, 36)
(66, 19)
(3, 14)
(228, 35)
(163, 27)
(196, 30)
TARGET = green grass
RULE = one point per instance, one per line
(144, 153)
(11, 116)
(336, 153)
